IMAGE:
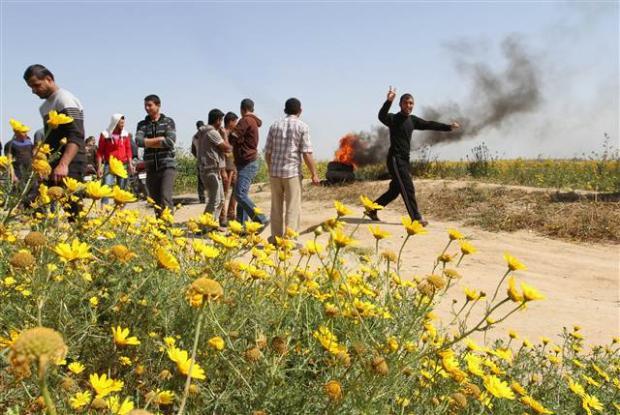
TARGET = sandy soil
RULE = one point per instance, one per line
(581, 281)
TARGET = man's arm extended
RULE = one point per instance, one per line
(421, 124)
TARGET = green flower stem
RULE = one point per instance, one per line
(442, 252)
(460, 259)
(107, 219)
(217, 323)
(459, 313)
(19, 199)
(51, 409)
(499, 285)
(400, 252)
(470, 331)
(191, 365)
(32, 173)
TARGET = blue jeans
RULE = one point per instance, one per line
(245, 206)
(110, 179)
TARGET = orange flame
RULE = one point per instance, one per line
(346, 152)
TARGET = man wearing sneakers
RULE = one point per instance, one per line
(401, 126)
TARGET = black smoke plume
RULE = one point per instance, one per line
(495, 97)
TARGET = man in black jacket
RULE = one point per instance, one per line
(157, 135)
(401, 127)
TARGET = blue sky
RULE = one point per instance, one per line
(338, 58)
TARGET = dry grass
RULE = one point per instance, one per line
(584, 217)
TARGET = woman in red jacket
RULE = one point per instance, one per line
(115, 141)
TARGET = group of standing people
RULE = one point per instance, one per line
(226, 149)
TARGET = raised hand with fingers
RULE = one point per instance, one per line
(391, 94)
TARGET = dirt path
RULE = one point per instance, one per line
(581, 281)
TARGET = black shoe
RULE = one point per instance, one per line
(202, 201)
(372, 215)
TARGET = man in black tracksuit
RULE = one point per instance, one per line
(401, 127)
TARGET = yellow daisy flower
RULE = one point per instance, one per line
(121, 337)
(369, 205)
(117, 167)
(413, 227)
(513, 263)
(103, 385)
(54, 119)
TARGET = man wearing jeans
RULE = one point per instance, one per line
(157, 135)
(244, 139)
(210, 149)
(287, 143)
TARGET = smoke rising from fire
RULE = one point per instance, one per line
(496, 97)
(364, 148)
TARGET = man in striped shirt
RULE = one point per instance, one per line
(72, 161)
(287, 143)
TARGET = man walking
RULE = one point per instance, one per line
(229, 173)
(401, 126)
(244, 139)
(287, 143)
(157, 135)
(201, 187)
(72, 161)
(210, 153)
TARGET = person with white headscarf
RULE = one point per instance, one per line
(114, 142)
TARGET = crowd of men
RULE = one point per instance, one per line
(226, 150)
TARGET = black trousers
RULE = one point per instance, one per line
(401, 184)
(160, 185)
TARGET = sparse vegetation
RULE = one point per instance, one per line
(597, 171)
(578, 216)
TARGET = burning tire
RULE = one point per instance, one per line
(339, 173)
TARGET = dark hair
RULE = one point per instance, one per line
(38, 71)
(199, 123)
(230, 116)
(404, 97)
(215, 115)
(247, 105)
(292, 106)
(153, 98)
(89, 138)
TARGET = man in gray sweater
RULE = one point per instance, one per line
(210, 150)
